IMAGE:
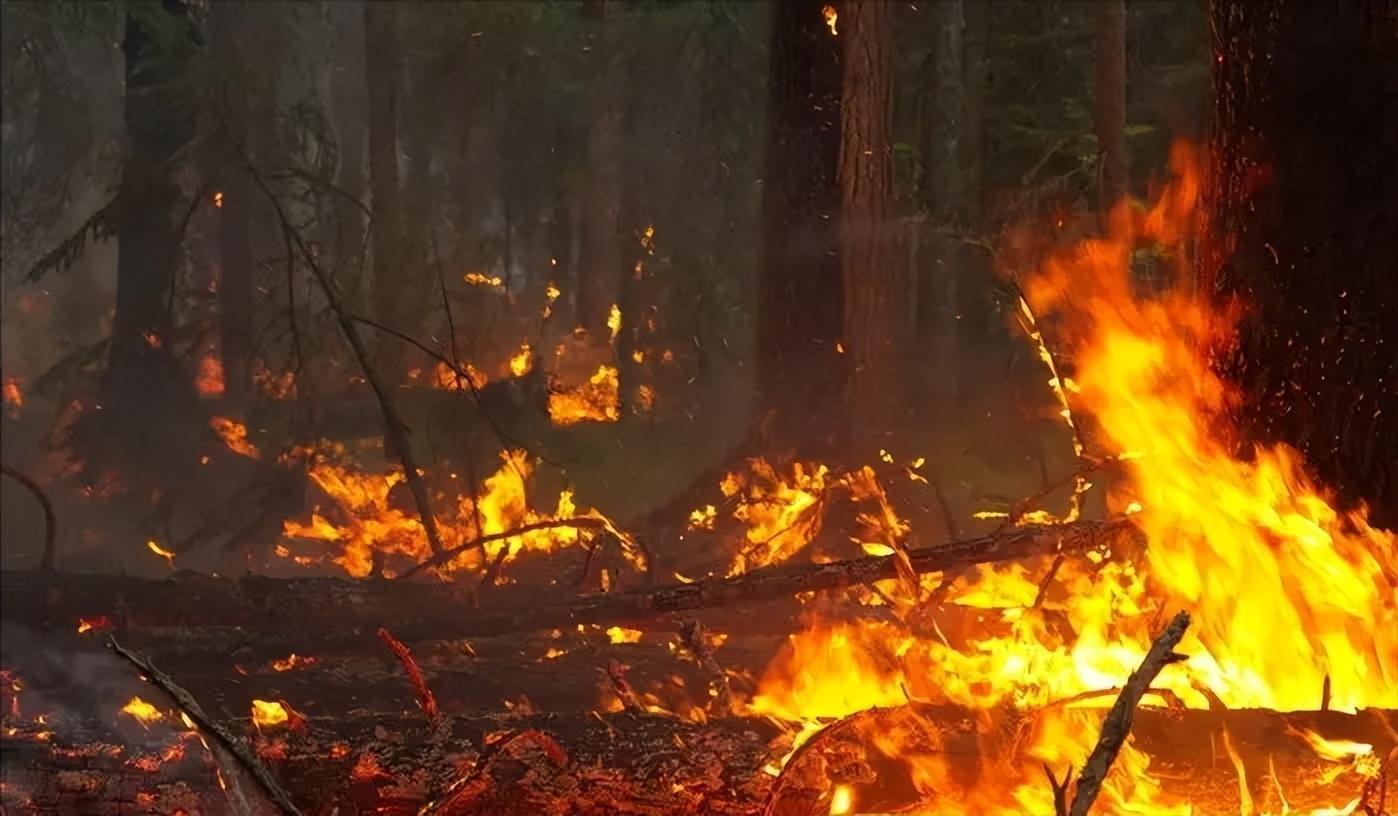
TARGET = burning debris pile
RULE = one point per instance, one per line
(1224, 640)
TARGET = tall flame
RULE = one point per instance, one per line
(1285, 590)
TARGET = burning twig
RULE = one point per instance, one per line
(446, 556)
(692, 636)
(394, 426)
(1117, 726)
(191, 707)
(50, 519)
(425, 699)
(616, 675)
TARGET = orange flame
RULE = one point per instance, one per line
(1246, 545)
(209, 379)
(596, 400)
(14, 397)
(235, 435)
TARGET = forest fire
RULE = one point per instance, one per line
(365, 452)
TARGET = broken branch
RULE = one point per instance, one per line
(190, 706)
(1117, 726)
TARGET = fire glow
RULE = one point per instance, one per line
(1288, 594)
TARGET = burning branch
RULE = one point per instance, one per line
(446, 556)
(425, 699)
(395, 427)
(191, 707)
(1117, 726)
(50, 519)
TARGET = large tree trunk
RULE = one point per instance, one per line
(1304, 228)
(943, 195)
(601, 265)
(800, 301)
(1110, 118)
(148, 400)
(874, 282)
(382, 69)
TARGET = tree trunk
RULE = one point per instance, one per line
(349, 107)
(801, 299)
(1303, 227)
(1110, 119)
(602, 265)
(873, 280)
(943, 188)
(382, 69)
(148, 400)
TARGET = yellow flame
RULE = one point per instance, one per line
(267, 713)
(142, 711)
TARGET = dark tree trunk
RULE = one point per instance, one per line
(874, 285)
(601, 266)
(801, 300)
(349, 108)
(148, 399)
(1303, 227)
(234, 210)
(1110, 118)
(382, 69)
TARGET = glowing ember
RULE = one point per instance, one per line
(266, 714)
(14, 397)
(162, 552)
(293, 661)
(481, 279)
(94, 624)
(218, 199)
(274, 385)
(209, 379)
(597, 400)
(551, 293)
(235, 435)
(618, 634)
(142, 711)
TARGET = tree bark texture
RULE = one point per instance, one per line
(1303, 228)
(874, 283)
(801, 296)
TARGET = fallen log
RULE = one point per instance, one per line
(422, 611)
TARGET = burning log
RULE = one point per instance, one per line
(434, 611)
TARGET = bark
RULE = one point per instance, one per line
(874, 335)
(349, 108)
(382, 72)
(602, 263)
(1303, 228)
(1110, 114)
(320, 606)
(148, 400)
(800, 294)
(944, 186)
